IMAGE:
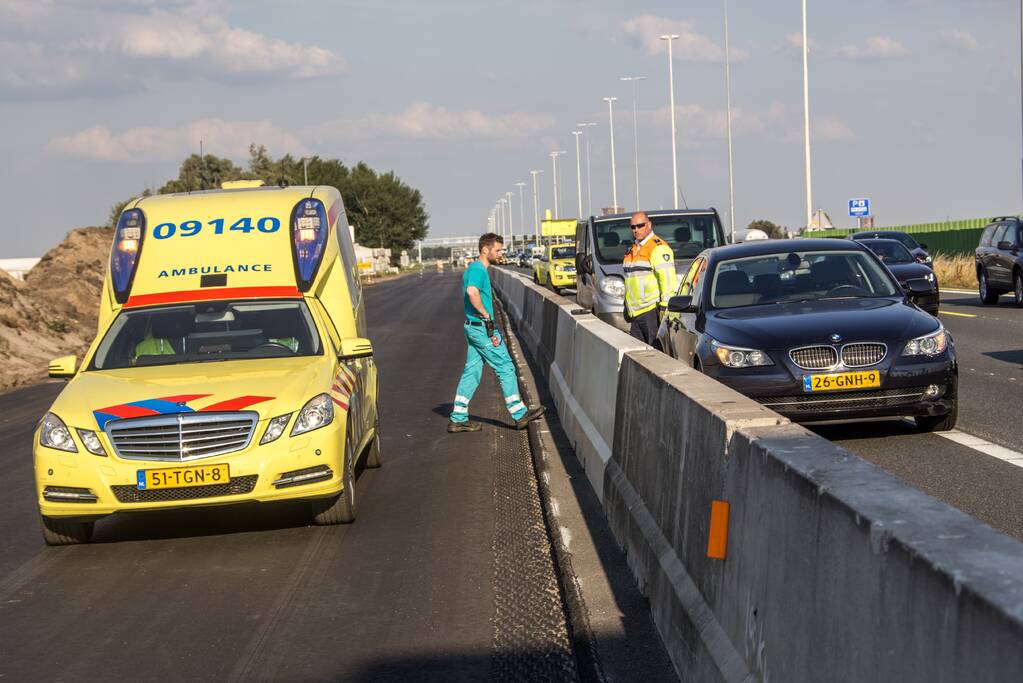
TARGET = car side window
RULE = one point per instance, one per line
(999, 235)
(685, 287)
(985, 239)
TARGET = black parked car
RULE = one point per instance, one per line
(815, 330)
(999, 265)
(918, 250)
(904, 267)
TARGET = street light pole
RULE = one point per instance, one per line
(511, 223)
(536, 205)
(578, 173)
(728, 107)
(589, 185)
(635, 131)
(614, 179)
(554, 160)
(305, 169)
(522, 219)
(671, 90)
(806, 121)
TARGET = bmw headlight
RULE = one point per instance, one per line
(91, 441)
(613, 287)
(54, 434)
(275, 428)
(317, 412)
(737, 357)
(927, 259)
(933, 344)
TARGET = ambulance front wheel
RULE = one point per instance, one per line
(339, 509)
(60, 532)
(373, 450)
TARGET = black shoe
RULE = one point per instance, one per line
(470, 426)
(529, 416)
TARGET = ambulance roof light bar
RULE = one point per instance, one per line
(309, 230)
(124, 256)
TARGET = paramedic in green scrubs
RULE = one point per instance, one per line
(485, 345)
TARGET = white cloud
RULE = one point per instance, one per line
(961, 40)
(795, 41)
(148, 143)
(646, 30)
(874, 48)
(423, 120)
(698, 125)
(58, 49)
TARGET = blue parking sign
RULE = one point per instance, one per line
(859, 208)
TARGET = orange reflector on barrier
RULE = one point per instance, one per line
(717, 544)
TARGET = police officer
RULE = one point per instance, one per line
(485, 344)
(649, 279)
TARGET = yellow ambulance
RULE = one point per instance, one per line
(231, 364)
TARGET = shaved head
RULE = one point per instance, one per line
(640, 219)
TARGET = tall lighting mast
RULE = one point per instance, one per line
(614, 176)
(635, 131)
(671, 90)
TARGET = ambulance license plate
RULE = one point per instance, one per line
(180, 477)
(842, 381)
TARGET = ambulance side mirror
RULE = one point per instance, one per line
(63, 367)
(355, 347)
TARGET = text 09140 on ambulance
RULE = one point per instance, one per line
(231, 364)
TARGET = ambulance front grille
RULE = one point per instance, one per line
(181, 437)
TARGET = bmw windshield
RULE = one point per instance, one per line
(799, 276)
(687, 235)
(207, 331)
(890, 251)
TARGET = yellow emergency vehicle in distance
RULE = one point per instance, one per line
(556, 267)
(231, 364)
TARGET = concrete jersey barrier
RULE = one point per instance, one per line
(835, 570)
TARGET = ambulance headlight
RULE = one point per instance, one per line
(318, 412)
(309, 229)
(53, 433)
(124, 256)
(275, 428)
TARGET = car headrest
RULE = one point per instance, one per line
(733, 282)
(683, 235)
(611, 239)
(767, 283)
(829, 271)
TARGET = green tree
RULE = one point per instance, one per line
(116, 209)
(773, 230)
(202, 173)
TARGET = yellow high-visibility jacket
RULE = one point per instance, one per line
(649, 275)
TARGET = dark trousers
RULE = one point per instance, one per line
(644, 326)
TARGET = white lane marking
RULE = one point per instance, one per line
(958, 291)
(984, 446)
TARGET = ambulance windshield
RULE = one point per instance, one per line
(207, 331)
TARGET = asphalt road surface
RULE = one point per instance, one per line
(981, 471)
(978, 468)
(410, 591)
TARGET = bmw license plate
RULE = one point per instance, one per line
(842, 381)
(179, 477)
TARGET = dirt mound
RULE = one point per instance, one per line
(53, 313)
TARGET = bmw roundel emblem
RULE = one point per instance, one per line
(836, 337)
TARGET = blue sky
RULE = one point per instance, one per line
(914, 103)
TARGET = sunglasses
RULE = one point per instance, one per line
(637, 226)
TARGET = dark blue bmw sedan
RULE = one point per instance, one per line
(815, 330)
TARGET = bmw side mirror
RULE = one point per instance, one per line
(681, 304)
(918, 285)
(923, 246)
(1005, 245)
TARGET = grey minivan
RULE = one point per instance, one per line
(603, 241)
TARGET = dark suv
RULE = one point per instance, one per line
(918, 250)
(999, 265)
